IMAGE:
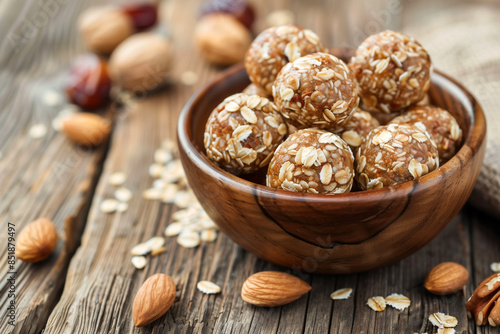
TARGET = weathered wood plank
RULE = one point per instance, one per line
(40, 177)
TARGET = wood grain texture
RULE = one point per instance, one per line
(94, 290)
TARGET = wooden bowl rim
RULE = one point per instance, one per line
(477, 131)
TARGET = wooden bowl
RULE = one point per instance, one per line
(343, 233)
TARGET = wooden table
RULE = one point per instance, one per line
(88, 284)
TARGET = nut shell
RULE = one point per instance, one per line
(37, 241)
(141, 63)
(273, 288)
(154, 299)
(86, 129)
(103, 28)
(222, 39)
(446, 278)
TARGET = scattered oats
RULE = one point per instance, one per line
(207, 223)
(52, 98)
(188, 239)
(443, 321)
(169, 145)
(495, 266)
(108, 205)
(446, 331)
(122, 207)
(183, 199)
(189, 78)
(155, 170)
(159, 184)
(376, 303)
(195, 227)
(169, 192)
(123, 194)
(155, 243)
(341, 294)
(117, 179)
(139, 261)
(173, 229)
(208, 287)
(398, 301)
(189, 214)
(158, 251)
(140, 249)
(38, 131)
(209, 235)
(162, 156)
(280, 18)
(152, 193)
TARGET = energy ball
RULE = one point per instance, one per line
(312, 161)
(317, 90)
(393, 71)
(242, 133)
(274, 48)
(439, 124)
(357, 127)
(254, 89)
(394, 154)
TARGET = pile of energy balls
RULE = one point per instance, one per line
(315, 122)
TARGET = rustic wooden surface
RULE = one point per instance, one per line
(89, 287)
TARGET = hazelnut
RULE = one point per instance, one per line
(141, 63)
(103, 28)
(222, 39)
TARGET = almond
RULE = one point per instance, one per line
(446, 278)
(273, 288)
(154, 299)
(37, 241)
(86, 129)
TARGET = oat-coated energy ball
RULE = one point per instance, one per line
(254, 89)
(242, 133)
(393, 71)
(439, 124)
(276, 46)
(312, 161)
(357, 127)
(393, 154)
(317, 90)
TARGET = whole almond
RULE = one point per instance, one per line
(154, 299)
(273, 288)
(37, 241)
(446, 278)
(86, 129)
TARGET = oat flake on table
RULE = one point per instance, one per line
(442, 320)
(208, 287)
(376, 303)
(398, 301)
(139, 261)
(341, 294)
